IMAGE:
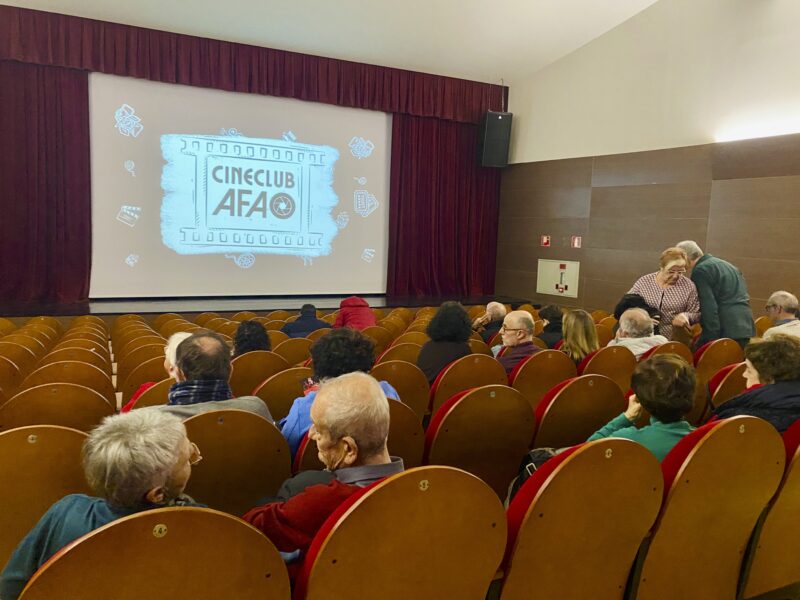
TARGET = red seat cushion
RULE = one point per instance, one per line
(791, 440)
(585, 361)
(547, 399)
(558, 345)
(513, 375)
(436, 420)
(435, 383)
(299, 454)
(701, 350)
(648, 354)
(717, 378)
(673, 461)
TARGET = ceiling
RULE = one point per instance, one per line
(504, 40)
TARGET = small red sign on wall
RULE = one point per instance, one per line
(576, 241)
(545, 241)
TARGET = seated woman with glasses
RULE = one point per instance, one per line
(670, 292)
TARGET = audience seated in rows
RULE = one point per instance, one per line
(203, 370)
(551, 333)
(354, 312)
(449, 330)
(489, 323)
(337, 353)
(350, 424)
(305, 323)
(773, 381)
(782, 308)
(170, 359)
(517, 334)
(580, 335)
(250, 337)
(664, 385)
(635, 332)
(133, 462)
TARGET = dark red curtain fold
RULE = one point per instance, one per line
(74, 42)
(443, 219)
(45, 200)
(443, 224)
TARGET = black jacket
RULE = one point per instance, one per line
(778, 403)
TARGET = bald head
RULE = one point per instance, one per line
(517, 328)
(635, 323)
(204, 356)
(354, 405)
(495, 311)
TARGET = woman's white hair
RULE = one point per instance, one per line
(128, 455)
(171, 349)
(357, 407)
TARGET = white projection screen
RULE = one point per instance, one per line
(199, 192)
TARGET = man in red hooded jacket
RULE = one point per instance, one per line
(354, 312)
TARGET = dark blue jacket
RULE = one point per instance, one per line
(778, 403)
(304, 325)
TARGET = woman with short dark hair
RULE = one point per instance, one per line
(773, 382)
(250, 336)
(664, 386)
(449, 330)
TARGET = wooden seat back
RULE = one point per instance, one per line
(412, 337)
(615, 362)
(474, 370)
(574, 409)
(318, 333)
(294, 350)
(245, 458)
(280, 391)
(727, 383)
(64, 404)
(205, 317)
(165, 318)
(762, 324)
(41, 464)
(150, 370)
(479, 347)
(774, 560)
(87, 343)
(407, 352)
(717, 481)
(127, 363)
(31, 343)
(77, 354)
(409, 382)
(187, 552)
(380, 336)
(70, 371)
(251, 369)
(21, 356)
(448, 526)
(406, 436)
(6, 326)
(156, 395)
(538, 373)
(677, 348)
(484, 431)
(709, 359)
(613, 475)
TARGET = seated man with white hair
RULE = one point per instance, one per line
(170, 360)
(133, 462)
(782, 308)
(490, 322)
(350, 417)
(636, 332)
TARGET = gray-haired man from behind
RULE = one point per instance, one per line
(133, 462)
(782, 308)
(636, 332)
(724, 302)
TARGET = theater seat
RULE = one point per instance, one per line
(576, 524)
(280, 391)
(179, 552)
(574, 409)
(245, 458)
(39, 465)
(73, 372)
(430, 533)
(678, 348)
(251, 369)
(65, 404)
(409, 382)
(474, 370)
(774, 561)
(538, 373)
(709, 359)
(294, 350)
(615, 362)
(717, 481)
(727, 383)
(155, 395)
(484, 431)
(406, 351)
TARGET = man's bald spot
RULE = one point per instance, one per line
(636, 322)
(496, 310)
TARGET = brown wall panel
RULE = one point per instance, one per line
(756, 198)
(764, 157)
(640, 201)
(674, 165)
(630, 207)
(649, 234)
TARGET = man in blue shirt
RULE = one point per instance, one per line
(341, 351)
(134, 462)
(305, 323)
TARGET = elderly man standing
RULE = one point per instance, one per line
(133, 462)
(517, 334)
(636, 332)
(489, 323)
(350, 417)
(203, 363)
(724, 301)
(782, 308)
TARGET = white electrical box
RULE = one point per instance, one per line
(558, 277)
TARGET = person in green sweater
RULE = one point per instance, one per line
(664, 386)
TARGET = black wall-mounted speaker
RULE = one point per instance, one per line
(494, 135)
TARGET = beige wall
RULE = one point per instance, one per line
(682, 72)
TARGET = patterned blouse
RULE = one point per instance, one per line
(670, 301)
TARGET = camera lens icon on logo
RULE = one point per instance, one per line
(282, 206)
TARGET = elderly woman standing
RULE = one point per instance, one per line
(670, 292)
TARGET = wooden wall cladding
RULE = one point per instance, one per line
(738, 200)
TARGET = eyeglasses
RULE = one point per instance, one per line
(770, 306)
(194, 456)
(503, 329)
(677, 271)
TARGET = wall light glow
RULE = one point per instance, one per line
(758, 127)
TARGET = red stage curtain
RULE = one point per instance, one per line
(443, 220)
(45, 223)
(443, 224)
